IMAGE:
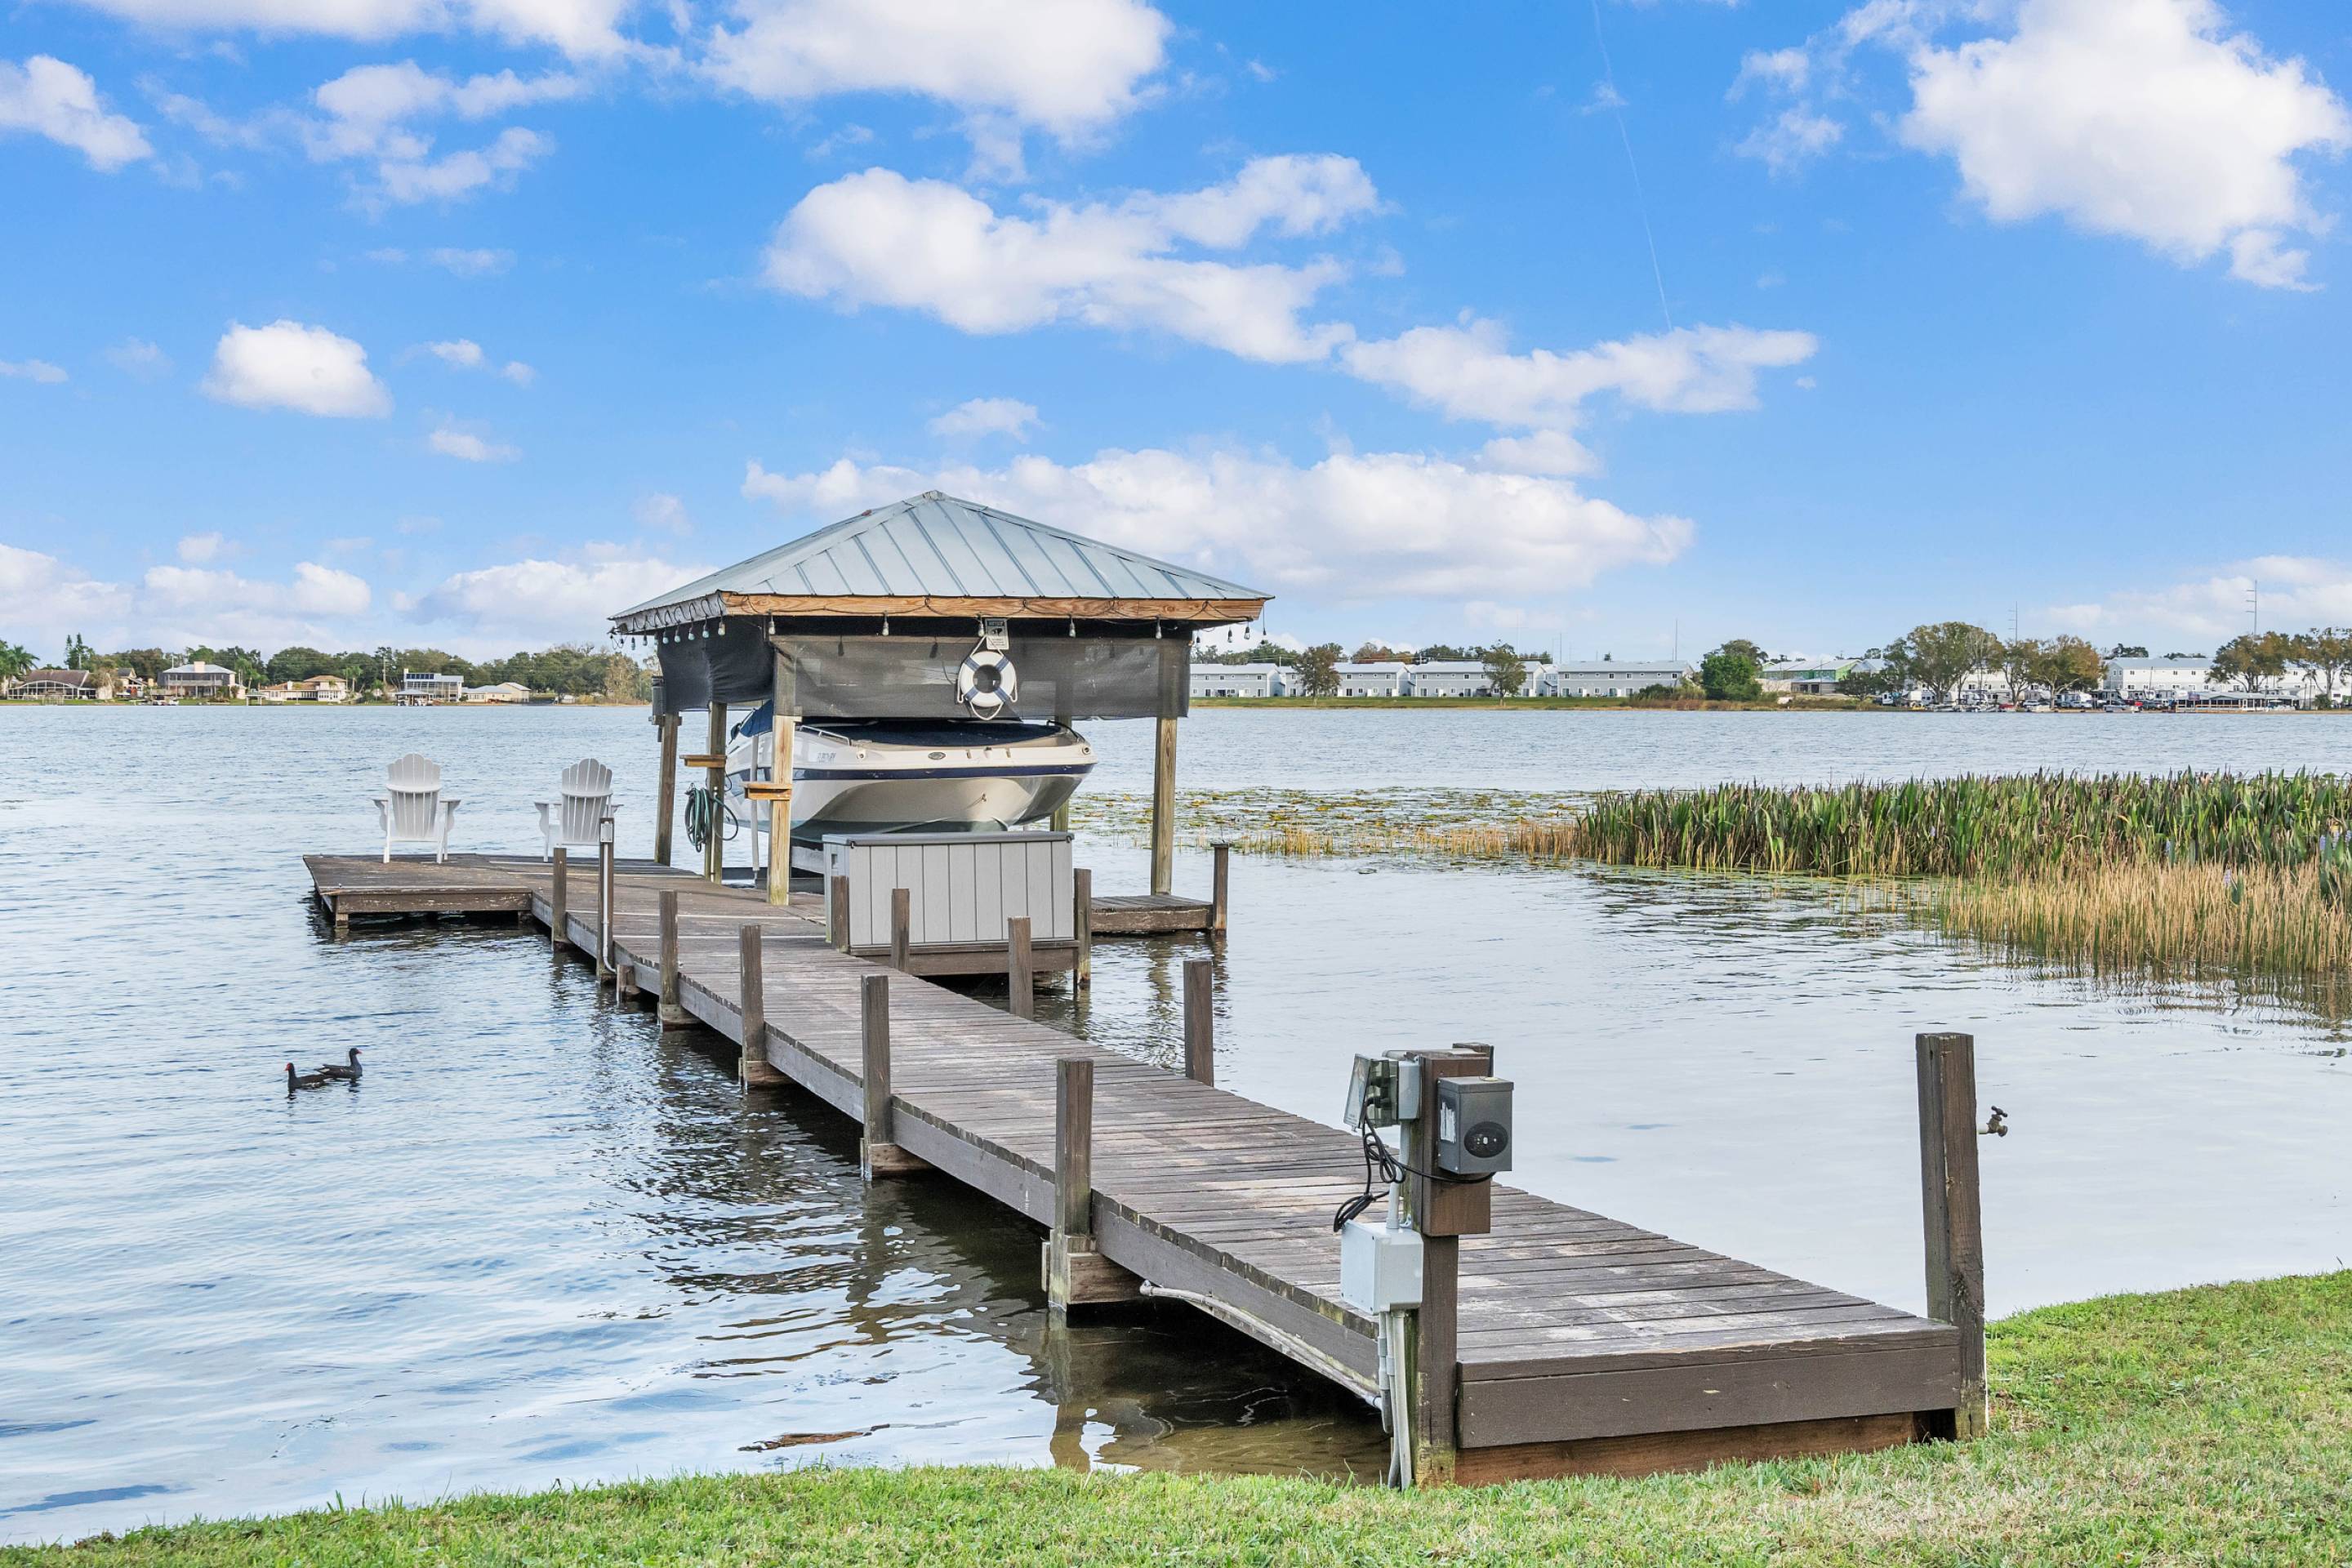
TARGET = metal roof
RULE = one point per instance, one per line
(938, 547)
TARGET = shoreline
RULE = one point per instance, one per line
(2205, 1424)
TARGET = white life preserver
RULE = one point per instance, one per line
(987, 683)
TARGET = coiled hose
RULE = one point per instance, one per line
(702, 806)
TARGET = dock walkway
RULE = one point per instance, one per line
(1584, 1343)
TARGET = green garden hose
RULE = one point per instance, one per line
(701, 802)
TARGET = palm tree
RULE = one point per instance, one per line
(14, 660)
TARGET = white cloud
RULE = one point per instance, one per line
(50, 98)
(465, 354)
(196, 549)
(406, 181)
(1538, 452)
(1790, 139)
(2297, 592)
(878, 239)
(1375, 525)
(471, 263)
(287, 365)
(1069, 67)
(138, 357)
(581, 28)
(663, 511)
(450, 441)
(39, 370)
(1468, 372)
(538, 600)
(987, 417)
(43, 599)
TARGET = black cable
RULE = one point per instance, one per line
(1383, 1167)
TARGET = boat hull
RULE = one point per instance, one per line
(928, 778)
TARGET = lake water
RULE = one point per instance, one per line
(543, 1240)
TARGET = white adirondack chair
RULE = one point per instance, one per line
(412, 807)
(586, 788)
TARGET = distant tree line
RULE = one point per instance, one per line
(567, 670)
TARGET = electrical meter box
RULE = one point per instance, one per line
(1474, 1125)
(1380, 1268)
(1373, 1093)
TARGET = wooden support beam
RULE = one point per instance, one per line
(1954, 1212)
(752, 1068)
(878, 1152)
(902, 926)
(1083, 927)
(665, 788)
(780, 726)
(670, 1008)
(557, 898)
(604, 899)
(1223, 855)
(1200, 1022)
(1020, 976)
(836, 911)
(1443, 1212)
(1163, 807)
(714, 779)
(1076, 1274)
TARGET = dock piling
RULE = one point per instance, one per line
(665, 788)
(1200, 1023)
(1082, 926)
(1077, 1275)
(752, 1069)
(836, 912)
(1443, 1212)
(1221, 860)
(1954, 1212)
(1020, 976)
(877, 1154)
(669, 1008)
(902, 924)
(604, 900)
(556, 890)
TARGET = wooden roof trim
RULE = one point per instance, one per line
(941, 604)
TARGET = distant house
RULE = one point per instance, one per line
(1609, 678)
(419, 687)
(504, 691)
(1805, 678)
(323, 689)
(1374, 680)
(282, 691)
(1240, 681)
(1451, 678)
(63, 685)
(202, 682)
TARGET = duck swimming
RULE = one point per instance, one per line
(294, 1080)
(347, 1071)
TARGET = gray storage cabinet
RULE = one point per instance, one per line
(963, 886)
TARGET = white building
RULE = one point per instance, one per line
(2140, 679)
(1805, 678)
(200, 680)
(415, 687)
(1378, 680)
(1450, 678)
(1241, 680)
(1606, 678)
(504, 691)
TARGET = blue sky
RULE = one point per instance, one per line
(468, 322)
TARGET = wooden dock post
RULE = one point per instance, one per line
(1020, 976)
(665, 788)
(780, 725)
(1082, 925)
(1163, 805)
(836, 911)
(1200, 1023)
(1222, 859)
(1076, 1275)
(1954, 1212)
(557, 898)
(752, 1068)
(1443, 1212)
(603, 900)
(877, 1155)
(902, 926)
(714, 779)
(670, 1008)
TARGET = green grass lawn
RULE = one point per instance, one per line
(2205, 1425)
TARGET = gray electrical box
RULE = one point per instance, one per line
(1474, 1125)
(1380, 1268)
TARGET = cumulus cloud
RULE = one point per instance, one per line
(1069, 68)
(470, 263)
(1353, 525)
(663, 511)
(537, 599)
(139, 358)
(288, 364)
(581, 28)
(987, 417)
(879, 239)
(2297, 590)
(196, 549)
(1468, 372)
(465, 354)
(2150, 120)
(44, 598)
(47, 97)
(39, 370)
(451, 441)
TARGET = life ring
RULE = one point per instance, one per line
(987, 684)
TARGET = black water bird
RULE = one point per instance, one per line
(294, 1080)
(345, 1071)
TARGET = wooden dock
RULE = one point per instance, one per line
(1578, 1343)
